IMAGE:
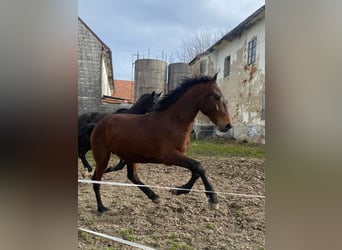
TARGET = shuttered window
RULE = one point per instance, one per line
(252, 51)
(203, 67)
(227, 66)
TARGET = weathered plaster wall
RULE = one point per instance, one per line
(244, 87)
(106, 90)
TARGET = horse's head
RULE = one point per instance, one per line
(155, 97)
(147, 101)
(152, 99)
(214, 105)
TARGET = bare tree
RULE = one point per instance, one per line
(197, 44)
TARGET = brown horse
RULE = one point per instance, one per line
(87, 122)
(161, 136)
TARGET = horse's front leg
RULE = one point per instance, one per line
(132, 175)
(197, 171)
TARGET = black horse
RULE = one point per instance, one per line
(87, 122)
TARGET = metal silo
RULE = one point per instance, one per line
(149, 75)
(176, 74)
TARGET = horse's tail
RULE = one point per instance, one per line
(86, 129)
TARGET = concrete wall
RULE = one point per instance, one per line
(176, 74)
(90, 68)
(149, 75)
(244, 87)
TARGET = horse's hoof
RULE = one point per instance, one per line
(156, 201)
(179, 191)
(90, 169)
(214, 206)
(102, 209)
(107, 170)
(174, 191)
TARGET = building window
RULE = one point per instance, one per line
(203, 67)
(251, 51)
(226, 66)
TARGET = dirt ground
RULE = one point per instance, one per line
(178, 222)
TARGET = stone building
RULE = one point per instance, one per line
(95, 72)
(239, 59)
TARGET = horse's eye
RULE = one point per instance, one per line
(217, 97)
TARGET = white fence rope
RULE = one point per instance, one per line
(169, 188)
(126, 242)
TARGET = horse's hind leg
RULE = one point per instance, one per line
(84, 145)
(197, 170)
(101, 159)
(118, 167)
(133, 176)
(85, 163)
(184, 189)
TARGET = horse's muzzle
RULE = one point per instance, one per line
(226, 128)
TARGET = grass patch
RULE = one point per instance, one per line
(89, 222)
(127, 234)
(84, 236)
(210, 226)
(178, 246)
(225, 148)
(174, 243)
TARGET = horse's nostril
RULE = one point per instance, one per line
(228, 126)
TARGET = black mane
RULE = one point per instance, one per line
(173, 96)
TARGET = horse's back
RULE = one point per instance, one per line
(124, 124)
(90, 117)
(123, 110)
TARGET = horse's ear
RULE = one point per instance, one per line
(153, 93)
(215, 77)
(159, 93)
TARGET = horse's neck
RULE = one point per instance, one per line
(184, 109)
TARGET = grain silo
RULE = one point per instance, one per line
(149, 75)
(177, 73)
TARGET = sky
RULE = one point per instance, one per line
(156, 28)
